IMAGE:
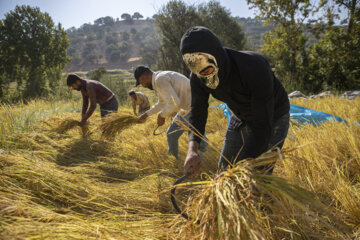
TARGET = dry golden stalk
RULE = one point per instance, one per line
(117, 122)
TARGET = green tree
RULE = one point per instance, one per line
(149, 49)
(124, 49)
(176, 17)
(127, 17)
(137, 16)
(334, 60)
(76, 59)
(88, 49)
(173, 20)
(125, 36)
(219, 20)
(91, 58)
(285, 44)
(104, 21)
(33, 50)
(72, 51)
(115, 55)
(111, 40)
(133, 31)
(86, 28)
(98, 73)
(2, 70)
(109, 49)
(353, 9)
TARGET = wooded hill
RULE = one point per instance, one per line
(120, 44)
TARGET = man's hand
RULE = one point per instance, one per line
(143, 116)
(82, 122)
(160, 120)
(192, 163)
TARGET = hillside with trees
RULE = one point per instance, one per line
(109, 42)
(125, 42)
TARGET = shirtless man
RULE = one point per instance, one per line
(97, 93)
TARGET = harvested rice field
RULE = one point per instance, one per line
(111, 179)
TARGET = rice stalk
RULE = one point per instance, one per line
(68, 124)
(117, 122)
(247, 204)
(57, 186)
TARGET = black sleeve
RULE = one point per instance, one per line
(199, 109)
(260, 81)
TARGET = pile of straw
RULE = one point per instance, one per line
(117, 122)
(68, 124)
(246, 204)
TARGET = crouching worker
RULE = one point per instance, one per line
(245, 82)
(140, 99)
(96, 93)
(173, 91)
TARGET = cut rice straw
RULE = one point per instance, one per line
(68, 124)
(247, 204)
(117, 122)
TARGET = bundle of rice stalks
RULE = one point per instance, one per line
(68, 124)
(247, 204)
(117, 122)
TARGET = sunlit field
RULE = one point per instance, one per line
(80, 185)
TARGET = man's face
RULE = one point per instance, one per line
(204, 66)
(146, 81)
(77, 85)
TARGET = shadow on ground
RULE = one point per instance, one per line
(81, 151)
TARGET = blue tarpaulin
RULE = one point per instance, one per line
(305, 115)
(300, 114)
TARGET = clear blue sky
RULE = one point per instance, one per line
(77, 12)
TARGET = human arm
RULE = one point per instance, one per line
(134, 106)
(92, 97)
(192, 162)
(85, 104)
(197, 122)
(155, 108)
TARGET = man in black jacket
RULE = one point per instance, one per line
(245, 82)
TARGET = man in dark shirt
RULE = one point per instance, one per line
(97, 92)
(245, 82)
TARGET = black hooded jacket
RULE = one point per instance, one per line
(246, 84)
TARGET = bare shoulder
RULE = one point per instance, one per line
(91, 84)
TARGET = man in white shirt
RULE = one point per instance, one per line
(140, 99)
(174, 96)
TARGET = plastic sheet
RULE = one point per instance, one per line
(300, 114)
(305, 115)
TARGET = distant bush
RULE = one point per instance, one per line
(98, 73)
(88, 49)
(91, 58)
(110, 40)
(115, 55)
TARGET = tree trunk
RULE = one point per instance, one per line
(293, 38)
(351, 16)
